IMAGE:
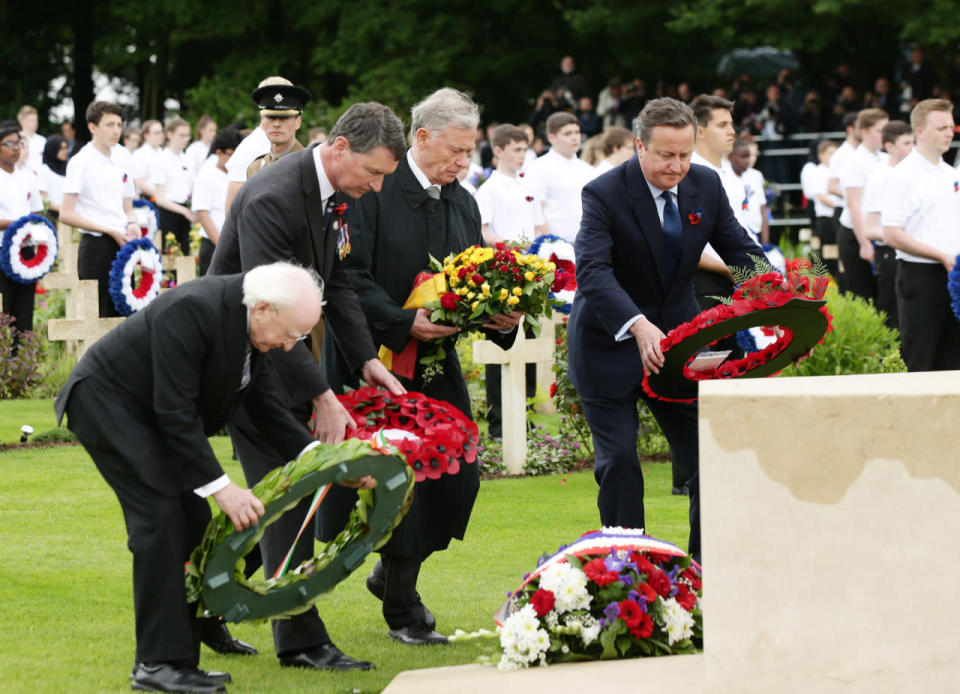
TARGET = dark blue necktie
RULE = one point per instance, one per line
(673, 231)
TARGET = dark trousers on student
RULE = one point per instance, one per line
(207, 247)
(856, 275)
(929, 332)
(176, 224)
(94, 258)
(885, 262)
(824, 229)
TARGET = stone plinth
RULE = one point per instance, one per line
(830, 511)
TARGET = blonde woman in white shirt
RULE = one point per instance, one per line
(152, 135)
(171, 174)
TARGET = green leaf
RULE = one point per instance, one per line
(435, 264)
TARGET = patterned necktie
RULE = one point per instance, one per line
(673, 231)
(434, 192)
(245, 374)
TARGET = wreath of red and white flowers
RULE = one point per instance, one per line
(561, 253)
(433, 436)
(34, 231)
(135, 276)
(761, 293)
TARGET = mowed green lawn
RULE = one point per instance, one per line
(66, 622)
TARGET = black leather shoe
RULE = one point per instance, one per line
(376, 584)
(217, 677)
(217, 637)
(680, 491)
(325, 657)
(418, 635)
(163, 677)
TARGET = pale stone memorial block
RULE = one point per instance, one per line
(831, 518)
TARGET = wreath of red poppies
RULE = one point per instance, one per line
(767, 299)
(444, 435)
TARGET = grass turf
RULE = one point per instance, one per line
(65, 587)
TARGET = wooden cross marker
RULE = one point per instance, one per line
(513, 389)
(84, 326)
(185, 266)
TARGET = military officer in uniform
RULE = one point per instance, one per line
(281, 113)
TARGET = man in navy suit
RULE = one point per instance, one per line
(645, 224)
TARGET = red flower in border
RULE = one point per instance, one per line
(543, 601)
(660, 582)
(686, 598)
(553, 389)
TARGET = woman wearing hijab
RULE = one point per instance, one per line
(53, 173)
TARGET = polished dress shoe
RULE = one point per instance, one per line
(214, 633)
(164, 677)
(418, 635)
(325, 657)
(377, 584)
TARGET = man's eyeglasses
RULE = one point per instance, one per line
(12, 145)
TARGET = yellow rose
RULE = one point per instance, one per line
(486, 289)
(471, 295)
(517, 291)
(504, 294)
(513, 301)
(454, 281)
(528, 276)
(537, 264)
(462, 291)
(473, 306)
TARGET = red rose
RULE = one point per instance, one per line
(500, 245)
(542, 601)
(478, 279)
(660, 582)
(449, 301)
(461, 273)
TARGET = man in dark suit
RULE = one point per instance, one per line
(421, 211)
(295, 209)
(143, 401)
(645, 224)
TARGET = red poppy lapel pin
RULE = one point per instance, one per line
(695, 216)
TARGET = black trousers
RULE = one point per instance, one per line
(825, 229)
(176, 224)
(494, 395)
(94, 258)
(207, 247)
(929, 332)
(885, 261)
(615, 424)
(258, 458)
(162, 529)
(856, 275)
(18, 301)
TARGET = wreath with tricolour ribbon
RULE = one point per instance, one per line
(135, 276)
(215, 576)
(147, 217)
(30, 231)
(560, 252)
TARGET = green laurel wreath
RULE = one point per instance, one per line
(215, 575)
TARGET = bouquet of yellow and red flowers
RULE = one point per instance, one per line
(482, 282)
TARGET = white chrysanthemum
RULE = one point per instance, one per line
(677, 621)
(568, 585)
(589, 634)
(552, 618)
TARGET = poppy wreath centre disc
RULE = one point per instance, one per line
(215, 575)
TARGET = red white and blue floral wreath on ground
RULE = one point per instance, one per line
(953, 287)
(30, 231)
(135, 276)
(147, 218)
(559, 252)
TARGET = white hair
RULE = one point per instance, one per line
(280, 284)
(444, 108)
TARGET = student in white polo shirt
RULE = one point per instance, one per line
(559, 175)
(898, 141)
(920, 219)
(29, 122)
(509, 211)
(171, 175)
(152, 134)
(98, 200)
(210, 193)
(18, 197)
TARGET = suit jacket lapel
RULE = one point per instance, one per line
(235, 335)
(687, 201)
(645, 210)
(313, 203)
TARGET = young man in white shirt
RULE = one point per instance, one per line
(171, 175)
(98, 200)
(856, 250)
(210, 193)
(919, 217)
(256, 144)
(509, 212)
(559, 175)
(898, 139)
(618, 145)
(29, 122)
(813, 180)
(18, 197)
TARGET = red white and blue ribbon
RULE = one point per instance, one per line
(34, 231)
(560, 252)
(135, 276)
(147, 218)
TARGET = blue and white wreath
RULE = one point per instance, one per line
(560, 252)
(953, 286)
(29, 231)
(135, 276)
(147, 218)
